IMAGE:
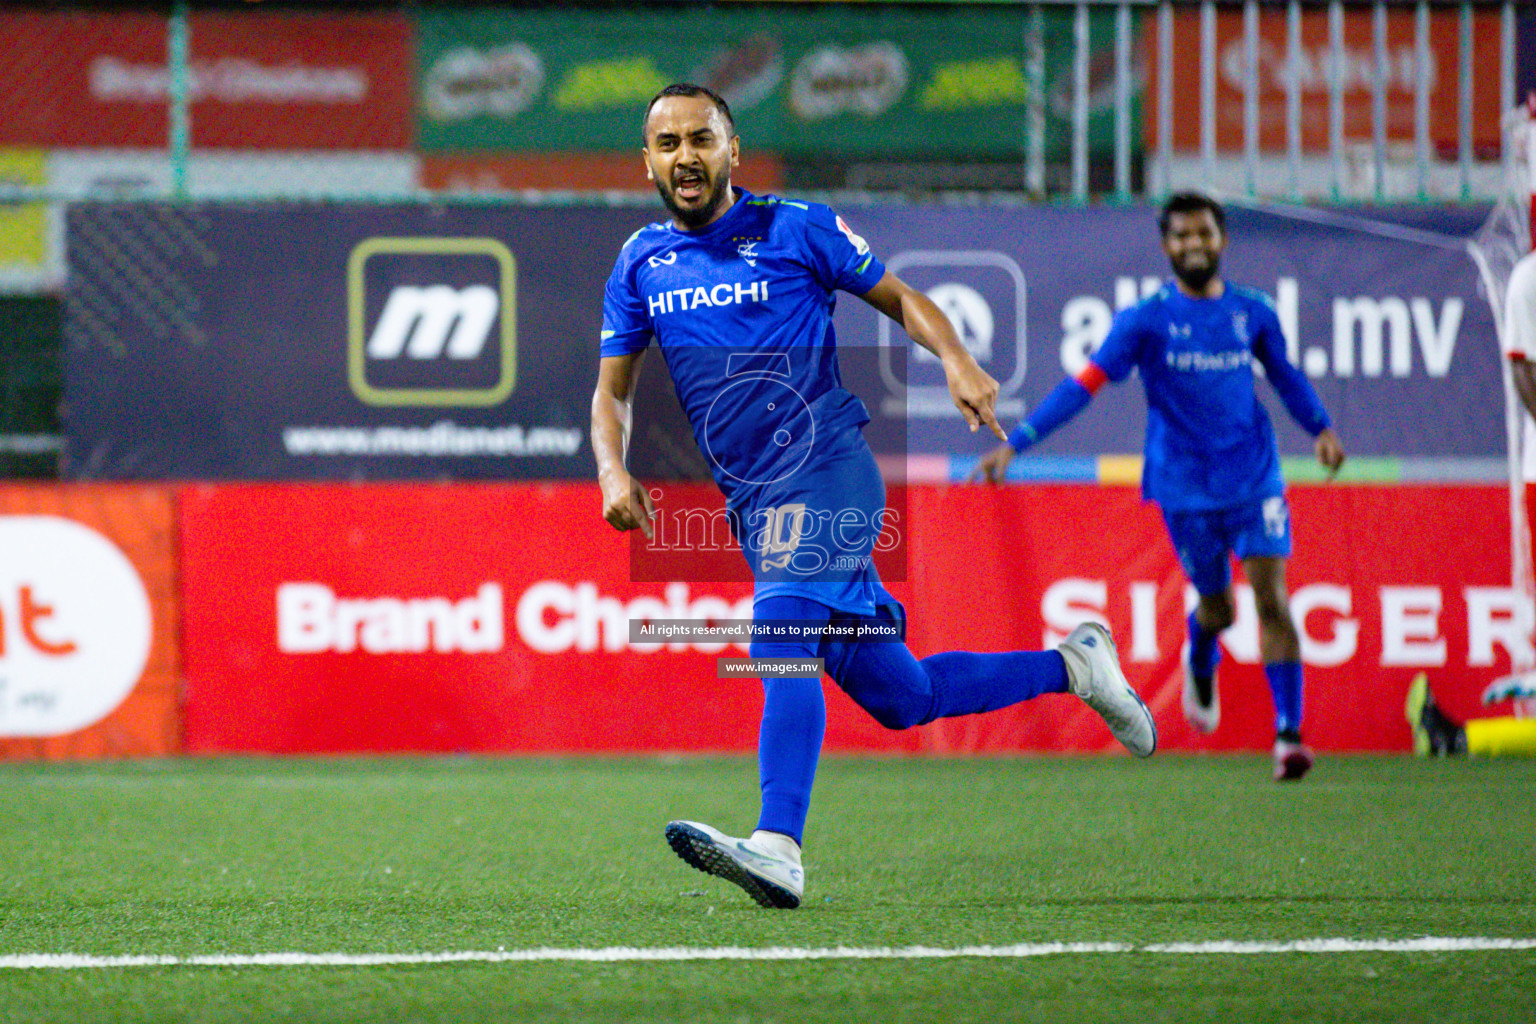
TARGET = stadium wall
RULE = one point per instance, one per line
(171, 374)
(335, 618)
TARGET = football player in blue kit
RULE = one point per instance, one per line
(1211, 463)
(738, 291)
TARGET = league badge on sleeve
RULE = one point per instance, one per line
(858, 242)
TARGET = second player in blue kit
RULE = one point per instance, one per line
(738, 292)
(1211, 462)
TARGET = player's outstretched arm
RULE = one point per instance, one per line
(1298, 396)
(973, 390)
(1112, 361)
(626, 505)
(1065, 401)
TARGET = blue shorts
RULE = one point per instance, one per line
(1203, 540)
(812, 533)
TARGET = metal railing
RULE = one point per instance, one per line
(1213, 165)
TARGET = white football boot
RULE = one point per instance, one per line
(1292, 760)
(1093, 671)
(766, 864)
(1204, 717)
(1520, 686)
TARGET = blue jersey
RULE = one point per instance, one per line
(742, 312)
(1209, 442)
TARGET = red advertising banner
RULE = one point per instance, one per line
(494, 618)
(1317, 67)
(89, 659)
(257, 80)
(1386, 581)
(440, 619)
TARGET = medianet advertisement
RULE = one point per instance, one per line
(461, 343)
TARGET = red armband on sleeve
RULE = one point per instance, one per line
(1092, 378)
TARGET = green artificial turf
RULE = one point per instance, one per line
(200, 857)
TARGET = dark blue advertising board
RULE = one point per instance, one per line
(334, 341)
(1382, 310)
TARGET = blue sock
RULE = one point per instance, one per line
(888, 682)
(794, 721)
(968, 684)
(899, 691)
(788, 748)
(1204, 652)
(1285, 685)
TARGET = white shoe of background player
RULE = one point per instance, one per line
(1519, 686)
(1204, 717)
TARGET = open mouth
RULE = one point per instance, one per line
(688, 185)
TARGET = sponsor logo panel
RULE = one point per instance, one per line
(1380, 316)
(807, 79)
(1316, 68)
(89, 661)
(432, 321)
(419, 618)
(984, 295)
(406, 352)
(257, 80)
(75, 626)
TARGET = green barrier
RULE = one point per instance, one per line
(30, 386)
(846, 83)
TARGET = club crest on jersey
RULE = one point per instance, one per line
(1240, 326)
(858, 243)
(748, 252)
(1179, 330)
(662, 261)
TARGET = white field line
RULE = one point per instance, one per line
(678, 954)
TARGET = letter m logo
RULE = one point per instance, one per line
(432, 322)
(423, 322)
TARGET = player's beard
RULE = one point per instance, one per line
(695, 216)
(1197, 277)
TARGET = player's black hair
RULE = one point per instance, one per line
(689, 89)
(1190, 202)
